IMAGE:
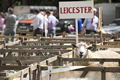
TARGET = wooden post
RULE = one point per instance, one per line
(30, 74)
(34, 75)
(73, 56)
(60, 60)
(19, 62)
(84, 74)
(119, 63)
(0, 62)
(103, 75)
(39, 76)
(100, 20)
(21, 76)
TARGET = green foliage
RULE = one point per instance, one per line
(97, 1)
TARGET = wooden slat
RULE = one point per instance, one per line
(43, 42)
(1, 46)
(93, 59)
(22, 58)
(107, 69)
(13, 43)
(70, 39)
(12, 67)
(2, 78)
(2, 36)
(112, 43)
(107, 46)
(3, 74)
(49, 60)
(34, 51)
(42, 46)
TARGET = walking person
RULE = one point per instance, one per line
(2, 16)
(10, 21)
(91, 24)
(38, 23)
(52, 22)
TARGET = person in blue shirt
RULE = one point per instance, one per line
(79, 26)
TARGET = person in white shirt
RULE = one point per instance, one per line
(38, 23)
(45, 24)
(91, 24)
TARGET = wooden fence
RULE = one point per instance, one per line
(43, 45)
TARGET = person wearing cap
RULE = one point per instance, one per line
(38, 23)
(52, 22)
(91, 24)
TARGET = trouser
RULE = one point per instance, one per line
(90, 31)
(12, 33)
(0, 29)
(38, 31)
(51, 32)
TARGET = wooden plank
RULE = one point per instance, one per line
(69, 39)
(29, 73)
(93, 59)
(41, 46)
(47, 42)
(103, 75)
(2, 46)
(39, 77)
(91, 35)
(12, 67)
(34, 51)
(11, 77)
(107, 69)
(2, 78)
(84, 74)
(21, 76)
(34, 75)
(49, 59)
(2, 36)
(107, 46)
(112, 43)
(3, 74)
(22, 58)
(100, 20)
(19, 62)
(13, 43)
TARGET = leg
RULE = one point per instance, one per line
(0, 30)
(53, 33)
(6, 34)
(88, 32)
(13, 33)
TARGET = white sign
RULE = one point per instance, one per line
(76, 9)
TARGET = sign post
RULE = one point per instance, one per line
(75, 10)
(76, 21)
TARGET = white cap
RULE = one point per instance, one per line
(94, 9)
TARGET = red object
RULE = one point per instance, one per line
(92, 21)
(20, 38)
(25, 38)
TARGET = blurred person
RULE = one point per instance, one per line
(79, 26)
(45, 23)
(38, 23)
(52, 22)
(10, 21)
(91, 24)
(2, 16)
